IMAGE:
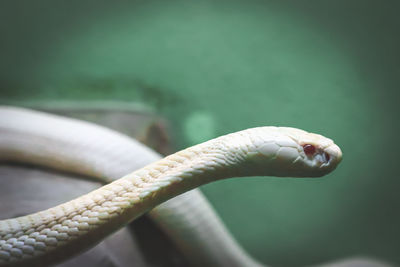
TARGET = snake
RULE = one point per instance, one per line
(50, 236)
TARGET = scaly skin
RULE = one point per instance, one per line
(57, 233)
(84, 148)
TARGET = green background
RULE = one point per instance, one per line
(213, 67)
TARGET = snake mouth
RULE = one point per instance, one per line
(322, 158)
(319, 159)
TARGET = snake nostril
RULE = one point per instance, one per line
(327, 157)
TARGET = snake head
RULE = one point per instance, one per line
(284, 151)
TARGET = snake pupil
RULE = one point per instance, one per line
(309, 149)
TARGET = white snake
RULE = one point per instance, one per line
(52, 235)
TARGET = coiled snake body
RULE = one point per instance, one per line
(57, 233)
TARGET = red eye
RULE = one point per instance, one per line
(309, 149)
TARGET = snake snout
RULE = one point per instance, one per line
(335, 154)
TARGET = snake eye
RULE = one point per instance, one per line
(327, 157)
(309, 149)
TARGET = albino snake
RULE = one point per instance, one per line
(52, 235)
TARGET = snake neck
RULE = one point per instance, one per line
(188, 169)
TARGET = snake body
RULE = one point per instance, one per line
(57, 233)
(84, 148)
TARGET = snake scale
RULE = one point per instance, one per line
(49, 236)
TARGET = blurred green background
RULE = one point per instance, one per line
(213, 67)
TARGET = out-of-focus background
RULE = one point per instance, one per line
(213, 67)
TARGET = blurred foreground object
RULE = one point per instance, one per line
(357, 262)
